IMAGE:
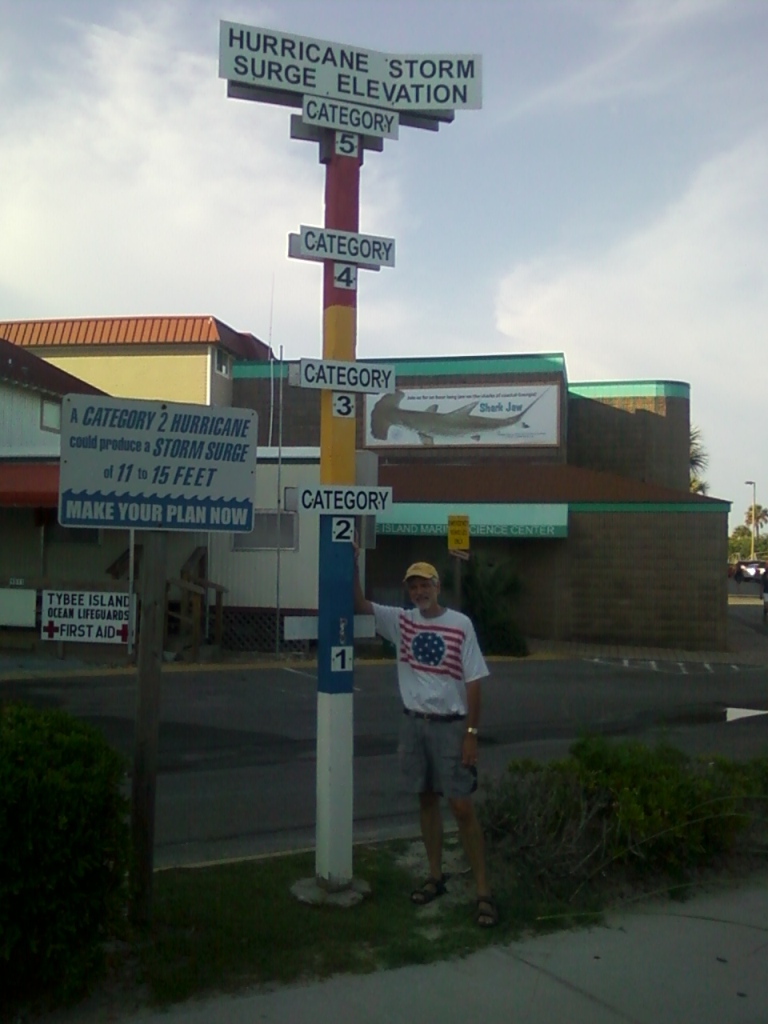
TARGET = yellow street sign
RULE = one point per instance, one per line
(458, 533)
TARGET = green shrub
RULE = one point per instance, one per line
(63, 849)
(667, 811)
(612, 806)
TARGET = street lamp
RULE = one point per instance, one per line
(754, 503)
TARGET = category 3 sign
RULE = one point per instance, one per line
(289, 63)
(345, 376)
(156, 465)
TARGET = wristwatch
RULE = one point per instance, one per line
(472, 730)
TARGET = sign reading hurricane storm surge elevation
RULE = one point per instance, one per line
(156, 465)
(314, 67)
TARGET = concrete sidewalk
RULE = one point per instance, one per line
(700, 962)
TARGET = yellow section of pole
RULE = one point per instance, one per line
(337, 433)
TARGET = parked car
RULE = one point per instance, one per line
(750, 570)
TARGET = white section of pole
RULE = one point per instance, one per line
(333, 855)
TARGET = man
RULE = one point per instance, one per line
(439, 668)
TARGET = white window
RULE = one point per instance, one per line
(50, 415)
(222, 362)
(266, 532)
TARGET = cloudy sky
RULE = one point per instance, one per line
(608, 202)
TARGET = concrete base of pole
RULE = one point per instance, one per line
(312, 891)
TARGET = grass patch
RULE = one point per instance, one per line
(231, 926)
(611, 824)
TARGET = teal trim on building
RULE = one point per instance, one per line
(486, 520)
(424, 367)
(715, 505)
(415, 519)
(260, 371)
(631, 389)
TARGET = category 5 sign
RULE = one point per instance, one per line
(289, 63)
(349, 117)
(156, 465)
(95, 617)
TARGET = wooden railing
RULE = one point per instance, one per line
(195, 587)
(190, 613)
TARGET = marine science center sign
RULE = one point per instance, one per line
(156, 465)
(315, 67)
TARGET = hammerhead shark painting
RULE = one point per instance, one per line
(429, 423)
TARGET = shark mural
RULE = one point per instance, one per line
(502, 416)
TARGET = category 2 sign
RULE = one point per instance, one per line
(288, 63)
(96, 617)
(156, 465)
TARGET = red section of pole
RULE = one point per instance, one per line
(342, 211)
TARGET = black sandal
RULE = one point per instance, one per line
(487, 912)
(428, 891)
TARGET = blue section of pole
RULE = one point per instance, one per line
(335, 619)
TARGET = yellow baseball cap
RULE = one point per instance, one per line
(422, 569)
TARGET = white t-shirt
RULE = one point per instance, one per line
(436, 658)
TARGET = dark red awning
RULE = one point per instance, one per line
(29, 484)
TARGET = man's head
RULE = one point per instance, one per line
(423, 584)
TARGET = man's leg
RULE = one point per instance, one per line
(471, 835)
(431, 823)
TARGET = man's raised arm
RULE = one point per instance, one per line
(362, 605)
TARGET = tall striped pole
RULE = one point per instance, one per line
(333, 853)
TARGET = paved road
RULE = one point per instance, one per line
(237, 746)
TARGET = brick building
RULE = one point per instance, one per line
(583, 487)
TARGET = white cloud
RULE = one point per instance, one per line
(639, 50)
(140, 178)
(684, 285)
(686, 298)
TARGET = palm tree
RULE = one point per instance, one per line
(761, 517)
(698, 460)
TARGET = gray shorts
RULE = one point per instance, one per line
(430, 757)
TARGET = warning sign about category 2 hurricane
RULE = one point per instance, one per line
(288, 63)
(156, 465)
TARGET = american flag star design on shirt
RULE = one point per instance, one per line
(435, 649)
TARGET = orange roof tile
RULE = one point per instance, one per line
(133, 330)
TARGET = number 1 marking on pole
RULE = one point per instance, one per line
(342, 659)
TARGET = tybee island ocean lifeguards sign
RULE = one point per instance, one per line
(343, 73)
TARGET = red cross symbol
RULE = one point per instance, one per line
(50, 629)
(123, 632)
